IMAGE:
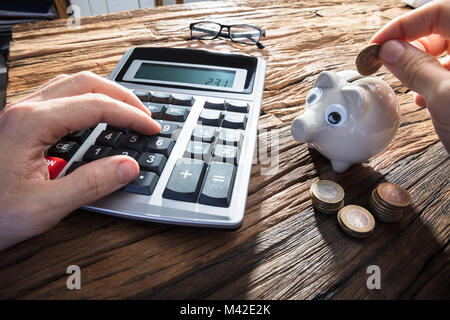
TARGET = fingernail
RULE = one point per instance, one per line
(392, 51)
(126, 171)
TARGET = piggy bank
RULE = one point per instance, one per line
(348, 118)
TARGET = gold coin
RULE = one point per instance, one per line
(393, 194)
(357, 219)
(384, 206)
(368, 61)
(327, 191)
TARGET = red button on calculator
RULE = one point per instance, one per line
(55, 165)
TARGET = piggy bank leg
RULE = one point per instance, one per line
(339, 166)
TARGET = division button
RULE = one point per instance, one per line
(230, 137)
(186, 180)
(218, 185)
(144, 183)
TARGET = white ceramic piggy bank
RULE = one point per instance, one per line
(348, 121)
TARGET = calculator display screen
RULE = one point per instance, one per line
(186, 74)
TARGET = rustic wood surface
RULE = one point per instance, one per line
(284, 250)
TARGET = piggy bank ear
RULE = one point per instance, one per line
(326, 79)
(354, 99)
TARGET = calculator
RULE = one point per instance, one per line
(196, 170)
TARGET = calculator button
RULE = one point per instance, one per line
(78, 136)
(54, 165)
(154, 162)
(198, 150)
(113, 128)
(133, 141)
(63, 149)
(176, 113)
(224, 153)
(230, 137)
(182, 100)
(108, 138)
(215, 103)
(210, 117)
(234, 120)
(160, 145)
(97, 152)
(204, 134)
(143, 95)
(144, 183)
(161, 97)
(237, 106)
(75, 165)
(169, 130)
(218, 185)
(126, 152)
(157, 110)
(186, 180)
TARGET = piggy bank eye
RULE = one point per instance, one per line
(314, 96)
(336, 115)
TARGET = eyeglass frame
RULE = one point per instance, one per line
(262, 32)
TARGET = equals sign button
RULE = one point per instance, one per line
(217, 178)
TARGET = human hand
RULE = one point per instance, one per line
(415, 65)
(31, 203)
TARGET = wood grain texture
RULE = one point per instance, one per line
(284, 249)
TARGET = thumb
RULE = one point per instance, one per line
(90, 182)
(416, 69)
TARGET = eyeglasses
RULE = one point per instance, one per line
(242, 33)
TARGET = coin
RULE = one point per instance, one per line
(368, 61)
(382, 205)
(327, 191)
(356, 221)
(393, 195)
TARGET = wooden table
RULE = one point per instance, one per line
(284, 250)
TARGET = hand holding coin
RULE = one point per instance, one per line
(415, 65)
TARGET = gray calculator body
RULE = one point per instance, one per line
(154, 207)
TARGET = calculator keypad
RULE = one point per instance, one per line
(206, 170)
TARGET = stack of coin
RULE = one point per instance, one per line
(356, 221)
(327, 196)
(388, 202)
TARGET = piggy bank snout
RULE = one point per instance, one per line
(299, 129)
